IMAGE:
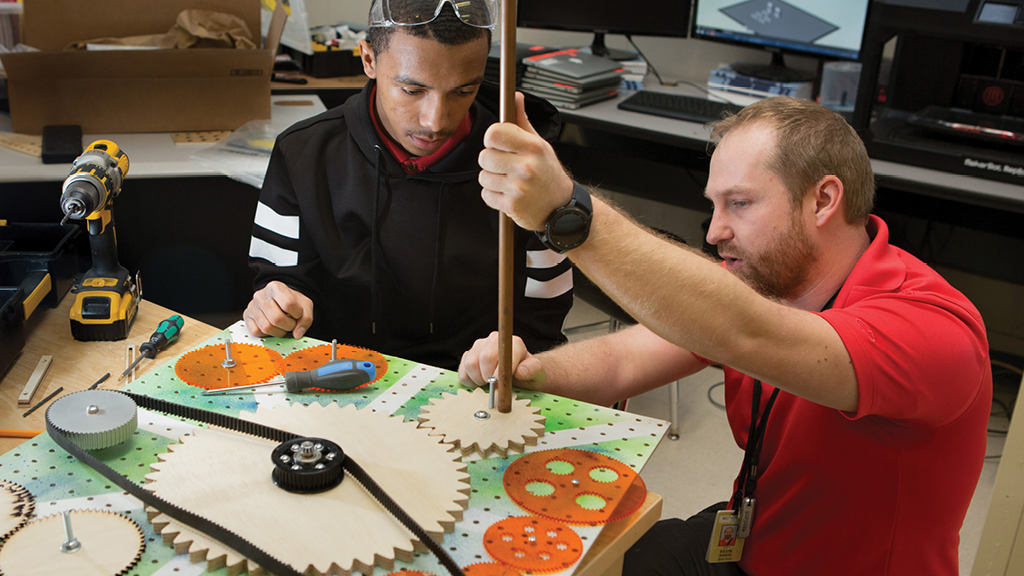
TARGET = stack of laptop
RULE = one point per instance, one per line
(493, 70)
(571, 78)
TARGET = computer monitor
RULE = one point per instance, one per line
(832, 29)
(658, 18)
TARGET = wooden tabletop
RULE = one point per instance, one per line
(77, 365)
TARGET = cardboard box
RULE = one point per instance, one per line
(135, 91)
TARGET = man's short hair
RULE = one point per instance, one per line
(447, 28)
(811, 142)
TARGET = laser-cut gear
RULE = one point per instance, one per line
(490, 569)
(203, 367)
(532, 544)
(111, 544)
(418, 471)
(94, 419)
(16, 506)
(316, 356)
(574, 486)
(455, 418)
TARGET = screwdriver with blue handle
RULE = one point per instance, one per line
(336, 376)
(167, 332)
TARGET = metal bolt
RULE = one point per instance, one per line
(531, 539)
(92, 409)
(481, 414)
(70, 544)
(285, 458)
(334, 350)
(574, 482)
(228, 362)
(493, 383)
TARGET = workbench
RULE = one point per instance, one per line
(58, 484)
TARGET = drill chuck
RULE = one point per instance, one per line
(95, 179)
(82, 196)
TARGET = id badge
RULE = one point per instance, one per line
(725, 544)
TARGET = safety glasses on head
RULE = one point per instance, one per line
(479, 13)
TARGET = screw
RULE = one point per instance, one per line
(70, 544)
(228, 362)
(481, 414)
(493, 383)
(92, 409)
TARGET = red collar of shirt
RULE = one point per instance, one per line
(416, 164)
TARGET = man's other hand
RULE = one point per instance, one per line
(277, 310)
(520, 172)
(481, 362)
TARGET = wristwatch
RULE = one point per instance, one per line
(568, 226)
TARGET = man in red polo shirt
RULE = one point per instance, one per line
(857, 380)
(370, 227)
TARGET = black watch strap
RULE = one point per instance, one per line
(568, 226)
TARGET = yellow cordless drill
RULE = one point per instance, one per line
(107, 298)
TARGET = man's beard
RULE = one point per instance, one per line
(783, 266)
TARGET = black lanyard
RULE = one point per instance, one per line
(746, 483)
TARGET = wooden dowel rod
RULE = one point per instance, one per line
(506, 230)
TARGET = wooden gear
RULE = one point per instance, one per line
(226, 477)
(111, 545)
(16, 507)
(454, 418)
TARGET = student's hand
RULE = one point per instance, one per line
(277, 310)
(481, 362)
(520, 173)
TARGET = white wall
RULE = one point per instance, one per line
(674, 58)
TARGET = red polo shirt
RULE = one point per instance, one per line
(883, 490)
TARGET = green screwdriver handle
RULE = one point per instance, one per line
(167, 332)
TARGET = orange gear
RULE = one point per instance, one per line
(574, 486)
(316, 356)
(253, 365)
(533, 545)
(490, 569)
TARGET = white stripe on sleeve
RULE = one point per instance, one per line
(284, 225)
(552, 288)
(274, 254)
(543, 258)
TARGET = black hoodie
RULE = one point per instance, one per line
(420, 279)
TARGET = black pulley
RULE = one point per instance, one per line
(308, 465)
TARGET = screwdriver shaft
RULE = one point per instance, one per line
(128, 370)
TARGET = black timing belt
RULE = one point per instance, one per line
(216, 531)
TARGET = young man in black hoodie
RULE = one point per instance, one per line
(370, 227)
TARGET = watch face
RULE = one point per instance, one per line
(569, 228)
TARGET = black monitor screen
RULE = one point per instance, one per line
(823, 28)
(653, 18)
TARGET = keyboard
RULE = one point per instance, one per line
(689, 108)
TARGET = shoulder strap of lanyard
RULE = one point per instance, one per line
(746, 483)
